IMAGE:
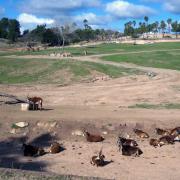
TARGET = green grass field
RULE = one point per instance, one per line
(102, 49)
(55, 71)
(16, 70)
(167, 60)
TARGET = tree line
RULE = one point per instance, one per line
(67, 34)
(58, 35)
(135, 30)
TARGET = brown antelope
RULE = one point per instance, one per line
(131, 151)
(166, 140)
(141, 133)
(92, 137)
(162, 132)
(126, 142)
(155, 142)
(128, 149)
(30, 150)
(55, 148)
(98, 160)
(36, 102)
(175, 131)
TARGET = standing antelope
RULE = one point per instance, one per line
(35, 101)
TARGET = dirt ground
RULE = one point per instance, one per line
(99, 107)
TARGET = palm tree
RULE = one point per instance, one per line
(85, 22)
(163, 27)
(146, 19)
(134, 23)
(175, 28)
(169, 21)
(156, 27)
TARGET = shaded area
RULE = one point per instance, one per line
(11, 153)
(43, 140)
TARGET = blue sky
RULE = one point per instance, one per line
(99, 13)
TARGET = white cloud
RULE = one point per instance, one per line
(62, 11)
(124, 9)
(29, 21)
(2, 10)
(172, 6)
(57, 6)
(25, 18)
(92, 18)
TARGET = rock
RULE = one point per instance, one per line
(151, 74)
(77, 133)
(105, 132)
(13, 131)
(111, 128)
(52, 55)
(53, 124)
(47, 124)
(42, 124)
(22, 124)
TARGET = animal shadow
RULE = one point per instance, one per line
(44, 140)
(107, 162)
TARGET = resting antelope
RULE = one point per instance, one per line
(98, 160)
(141, 133)
(126, 142)
(93, 137)
(175, 131)
(162, 132)
(155, 142)
(55, 148)
(30, 150)
(166, 140)
(35, 101)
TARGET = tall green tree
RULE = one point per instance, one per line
(37, 33)
(4, 27)
(176, 28)
(13, 30)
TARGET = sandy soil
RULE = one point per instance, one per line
(99, 106)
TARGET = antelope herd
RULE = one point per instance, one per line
(127, 147)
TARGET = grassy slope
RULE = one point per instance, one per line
(167, 60)
(103, 49)
(54, 71)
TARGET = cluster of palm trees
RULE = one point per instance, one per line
(144, 28)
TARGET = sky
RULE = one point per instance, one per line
(108, 14)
